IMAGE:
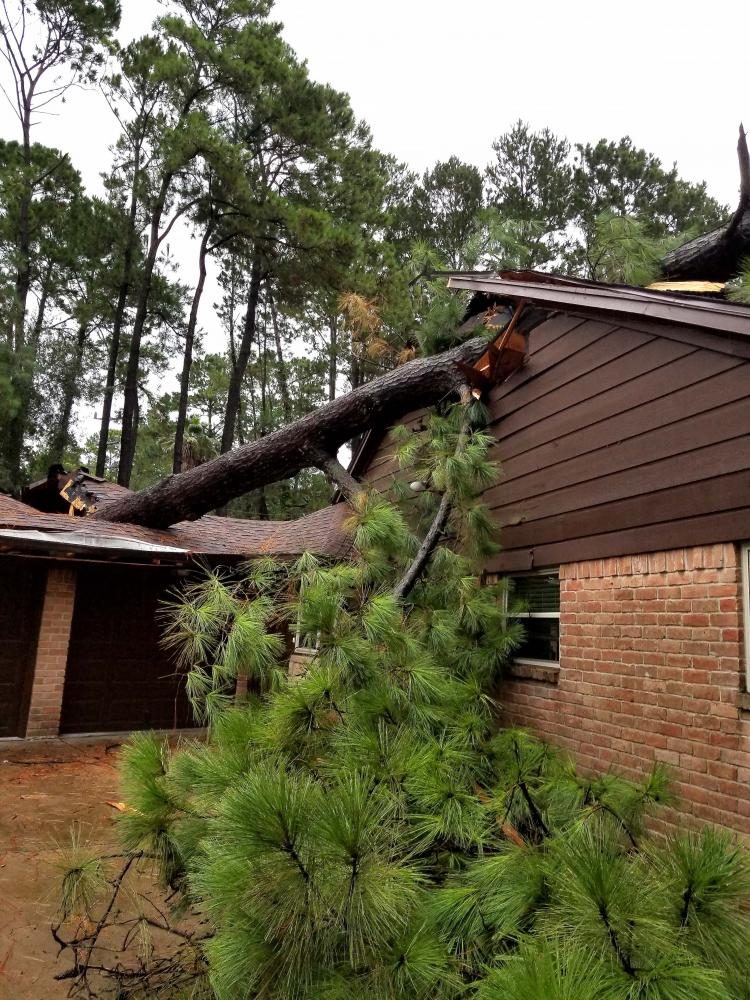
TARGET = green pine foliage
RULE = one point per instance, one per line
(366, 830)
(739, 290)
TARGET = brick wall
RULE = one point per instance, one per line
(52, 652)
(651, 669)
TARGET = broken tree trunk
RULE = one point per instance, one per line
(718, 255)
(300, 445)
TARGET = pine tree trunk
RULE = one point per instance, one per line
(23, 371)
(21, 374)
(715, 256)
(179, 435)
(720, 254)
(243, 357)
(307, 443)
(23, 235)
(118, 322)
(130, 401)
(286, 402)
(355, 372)
(36, 333)
(333, 358)
(61, 435)
(263, 358)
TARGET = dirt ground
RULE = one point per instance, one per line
(45, 788)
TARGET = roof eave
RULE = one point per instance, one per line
(704, 314)
(66, 544)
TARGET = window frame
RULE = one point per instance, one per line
(299, 635)
(745, 590)
(529, 660)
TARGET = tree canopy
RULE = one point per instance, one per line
(320, 246)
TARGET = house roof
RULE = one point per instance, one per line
(99, 491)
(25, 530)
(576, 295)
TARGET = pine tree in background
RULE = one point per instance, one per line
(365, 829)
(48, 48)
(223, 134)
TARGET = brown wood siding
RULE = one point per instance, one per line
(615, 439)
(118, 677)
(21, 596)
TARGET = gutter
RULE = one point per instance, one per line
(80, 543)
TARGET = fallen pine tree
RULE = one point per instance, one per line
(720, 254)
(365, 830)
(312, 441)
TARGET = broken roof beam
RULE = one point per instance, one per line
(502, 355)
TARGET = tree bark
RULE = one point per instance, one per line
(187, 363)
(36, 333)
(243, 356)
(23, 369)
(23, 236)
(286, 402)
(333, 326)
(338, 476)
(22, 372)
(70, 385)
(298, 446)
(119, 319)
(130, 402)
(718, 255)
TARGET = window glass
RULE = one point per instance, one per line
(536, 597)
(537, 593)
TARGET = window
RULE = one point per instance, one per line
(306, 640)
(537, 596)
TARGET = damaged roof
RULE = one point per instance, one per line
(25, 530)
(705, 311)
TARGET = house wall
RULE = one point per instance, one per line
(651, 670)
(614, 438)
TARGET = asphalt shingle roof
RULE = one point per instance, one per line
(322, 533)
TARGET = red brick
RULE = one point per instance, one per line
(651, 669)
(51, 655)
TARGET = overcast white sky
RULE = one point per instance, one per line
(435, 78)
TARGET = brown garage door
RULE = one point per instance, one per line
(118, 676)
(21, 596)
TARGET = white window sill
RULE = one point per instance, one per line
(543, 671)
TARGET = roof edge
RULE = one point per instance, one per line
(706, 314)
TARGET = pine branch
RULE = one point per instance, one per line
(614, 939)
(421, 560)
(336, 474)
